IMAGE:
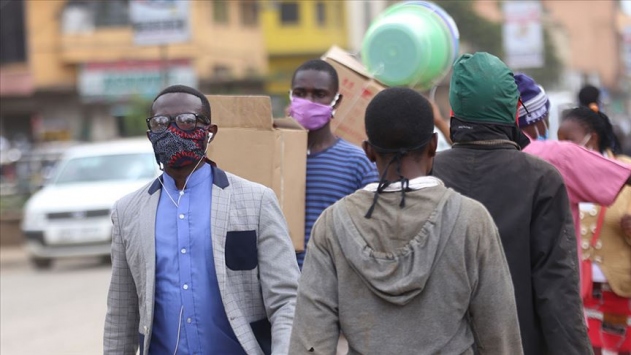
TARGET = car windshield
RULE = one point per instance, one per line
(106, 168)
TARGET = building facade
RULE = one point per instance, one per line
(86, 73)
(16, 84)
(589, 39)
(294, 32)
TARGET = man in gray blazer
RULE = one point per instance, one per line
(202, 262)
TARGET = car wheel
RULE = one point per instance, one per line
(42, 263)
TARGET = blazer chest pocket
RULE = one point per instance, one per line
(241, 250)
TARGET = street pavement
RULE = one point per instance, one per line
(54, 312)
(60, 311)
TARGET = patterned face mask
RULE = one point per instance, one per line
(176, 148)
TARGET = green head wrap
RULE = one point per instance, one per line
(483, 89)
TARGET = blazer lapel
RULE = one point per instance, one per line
(147, 231)
(219, 215)
(219, 221)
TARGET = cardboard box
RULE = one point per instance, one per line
(357, 87)
(272, 152)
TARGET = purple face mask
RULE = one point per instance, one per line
(311, 115)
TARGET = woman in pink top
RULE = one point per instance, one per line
(589, 177)
(606, 241)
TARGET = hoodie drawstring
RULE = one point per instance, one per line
(384, 183)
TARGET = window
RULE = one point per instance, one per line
(289, 13)
(321, 13)
(220, 11)
(367, 15)
(249, 13)
(251, 72)
(338, 11)
(12, 32)
(222, 72)
(77, 18)
(111, 13)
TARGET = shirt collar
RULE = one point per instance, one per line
(219, 179)
(418, 183)
(198, 176)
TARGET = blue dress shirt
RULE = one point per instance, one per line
(188, 312)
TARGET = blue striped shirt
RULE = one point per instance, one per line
(332, 174)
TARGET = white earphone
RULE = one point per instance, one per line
(210, 136)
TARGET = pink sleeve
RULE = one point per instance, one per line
(590, 177)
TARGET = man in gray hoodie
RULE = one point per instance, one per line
(405, 266)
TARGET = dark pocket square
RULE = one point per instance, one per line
(241, 250)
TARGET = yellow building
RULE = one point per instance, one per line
(87, 65)
(294, 32)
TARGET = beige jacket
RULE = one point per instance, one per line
(612, 250)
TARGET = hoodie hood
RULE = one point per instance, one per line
(483, 89)
(395, 251)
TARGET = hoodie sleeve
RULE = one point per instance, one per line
(589, 177)
(555, 271)
(492, 308)
(316, 328)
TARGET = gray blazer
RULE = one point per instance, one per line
(254, 258)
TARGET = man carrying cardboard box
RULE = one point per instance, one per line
(202, 261)
(335, 168)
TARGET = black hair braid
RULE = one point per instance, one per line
(616, 147)
(589, 96)
(594, 122)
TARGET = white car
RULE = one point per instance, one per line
(70, 216)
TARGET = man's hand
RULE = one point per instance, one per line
(626, 226)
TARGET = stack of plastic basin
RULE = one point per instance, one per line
(411, 44)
